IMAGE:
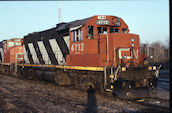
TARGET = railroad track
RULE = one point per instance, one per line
(154, 103)
(161, 105)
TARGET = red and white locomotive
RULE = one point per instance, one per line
(99, 43)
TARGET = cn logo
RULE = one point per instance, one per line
(136, 53)
(127, 51)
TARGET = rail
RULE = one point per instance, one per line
(153, 102)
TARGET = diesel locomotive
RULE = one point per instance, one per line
(97, 51)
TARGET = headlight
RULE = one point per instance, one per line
(154, 67)
(111, 86)
(125, 56)
(111, 76)
(132, 39)
(123, 68)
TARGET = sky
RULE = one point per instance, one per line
(147, 18)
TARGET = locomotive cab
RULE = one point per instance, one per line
(105, 41)
(13, 50)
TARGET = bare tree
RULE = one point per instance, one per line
(159, 51)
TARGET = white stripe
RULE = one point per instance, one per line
(44, 53)
(74, 28)
(67, 41)
(1, 52)
(26, 59)
(57, 51)
(33, 53)
(136, 54)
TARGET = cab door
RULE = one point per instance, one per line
(91, 41)
(19, 57)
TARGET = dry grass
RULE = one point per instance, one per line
(26, 96)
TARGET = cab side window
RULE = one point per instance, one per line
(90, 32)
(76, 35)
(124, 30)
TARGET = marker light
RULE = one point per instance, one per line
(132, 39)
(151, 57)
(123, 68)
(150, 68)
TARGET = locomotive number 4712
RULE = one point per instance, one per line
(77, 47)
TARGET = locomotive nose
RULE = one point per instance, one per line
(125, 48)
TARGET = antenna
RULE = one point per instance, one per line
(59, 10)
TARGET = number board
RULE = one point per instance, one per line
(77, 47)
(103, 22)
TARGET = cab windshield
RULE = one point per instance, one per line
(102, 30)
(114, 30)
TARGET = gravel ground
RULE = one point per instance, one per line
(163, 88)
(27, 96)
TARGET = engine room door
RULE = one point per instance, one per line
(19, 57)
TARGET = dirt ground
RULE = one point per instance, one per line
(28, 96)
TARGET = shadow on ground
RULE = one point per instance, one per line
(91, 106)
